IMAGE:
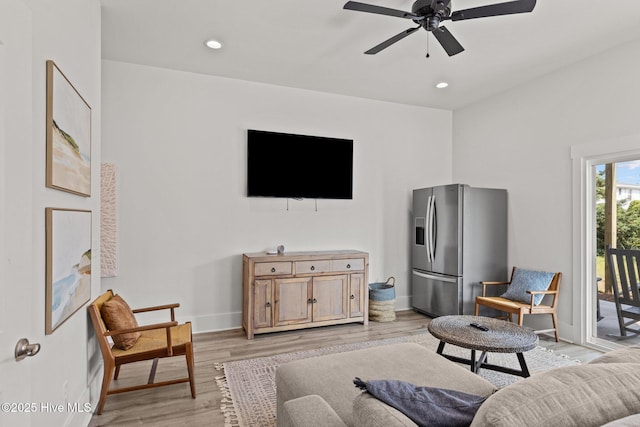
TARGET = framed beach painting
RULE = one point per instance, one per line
(68, 266)
(68, 135)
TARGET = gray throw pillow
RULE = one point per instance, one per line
(527, 280)
(425, 406)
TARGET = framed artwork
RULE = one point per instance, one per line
(68, 135)
(68, 271)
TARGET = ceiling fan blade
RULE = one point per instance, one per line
(364, 7)
(385, 44)
(448, 42)
(509, 8)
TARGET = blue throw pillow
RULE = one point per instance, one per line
(527, 280)
(425, 406)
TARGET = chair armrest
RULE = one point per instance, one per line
(484, 286)
(542, 292)
(159, 307)
(534, 293)
(164, 325)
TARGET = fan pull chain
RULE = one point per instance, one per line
(428, 44)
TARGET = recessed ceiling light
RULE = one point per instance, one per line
(213, 44)
(442, 85)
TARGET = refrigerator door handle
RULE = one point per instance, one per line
(431, 207)
(428, 229)
(447, 279)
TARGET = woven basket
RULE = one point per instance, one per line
(382, 301)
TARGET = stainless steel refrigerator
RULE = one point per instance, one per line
(459, 239)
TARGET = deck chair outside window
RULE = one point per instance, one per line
(623, 268)
(525, 293)
(137, 343)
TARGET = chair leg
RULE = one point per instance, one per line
(190, 369)
(520, 318)
(555, 326)
(152, 374)
(117, 372)
(477, 310)
(109, 368)
(623, 327)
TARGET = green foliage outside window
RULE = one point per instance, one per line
(627, 221)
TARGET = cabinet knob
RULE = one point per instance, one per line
(313, 267)
(309, 301)
(315, 300)
(273, 269)
(268, 304)
(353, 297)
(348, 265)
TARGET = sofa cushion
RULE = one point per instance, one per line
(527, 280)
(630, 421)
(331, 376)
(584, 395)
(424, 405)
(620, 355)
(370, 412)
(309, 411)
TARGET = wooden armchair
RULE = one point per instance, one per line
(138, 343)
(624, 268)
(520, 307)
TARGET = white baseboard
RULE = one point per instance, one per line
(216, 322)
(79, 412)
(226, 321)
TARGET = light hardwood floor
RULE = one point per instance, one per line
(173, 405)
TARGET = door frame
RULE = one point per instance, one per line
(584, 159)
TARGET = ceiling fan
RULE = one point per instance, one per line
(428, 14)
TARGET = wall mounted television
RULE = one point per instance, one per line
(298, 166)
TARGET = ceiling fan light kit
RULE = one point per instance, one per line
(429, 14)
(213, 44)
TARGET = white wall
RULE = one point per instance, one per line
(68, 32)
(521, 140)
(179, 144)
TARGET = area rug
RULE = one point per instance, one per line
(249, 391)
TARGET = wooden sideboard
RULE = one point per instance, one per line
(299, 290)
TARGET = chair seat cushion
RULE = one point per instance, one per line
(117, 314)
(156, 339)
(507, 304)
(527, 280)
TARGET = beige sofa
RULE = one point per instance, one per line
(319, 391)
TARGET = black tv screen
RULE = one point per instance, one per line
(298, 166)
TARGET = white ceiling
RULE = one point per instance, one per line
(316, 45)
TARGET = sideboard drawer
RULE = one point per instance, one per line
(272, 268)
(347, 264)
(317, 266)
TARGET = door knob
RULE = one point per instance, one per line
(24, 349)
